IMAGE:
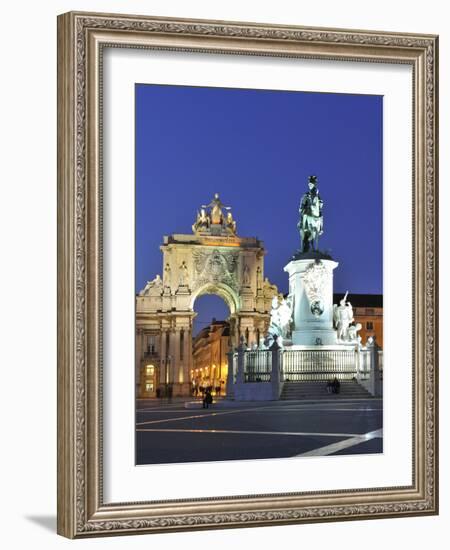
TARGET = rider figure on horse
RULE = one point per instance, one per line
(310, 224)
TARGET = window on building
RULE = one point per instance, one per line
(149, 370)
(369, 325)
(151, 344)
(149, 387)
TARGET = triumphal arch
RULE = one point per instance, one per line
(213, 259)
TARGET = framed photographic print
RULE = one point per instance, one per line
(247, 283)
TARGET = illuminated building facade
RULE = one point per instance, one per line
(210, 361)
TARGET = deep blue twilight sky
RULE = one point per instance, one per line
(256, 148)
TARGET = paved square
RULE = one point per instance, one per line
(170, 433)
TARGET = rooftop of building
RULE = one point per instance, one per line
(212, 327)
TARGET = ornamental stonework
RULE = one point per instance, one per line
(315, 280)
(215, 267)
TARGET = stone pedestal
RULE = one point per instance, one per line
(311, 296)
(183, 297)
(247, 299)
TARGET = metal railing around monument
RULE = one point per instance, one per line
(364, 364)
(257, 366)
(380, 361)
(232, 365)
(318, 365)
(276, 366)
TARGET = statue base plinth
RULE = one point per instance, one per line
(311, 293)
(183, 289)
(312, 255)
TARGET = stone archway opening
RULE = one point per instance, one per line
(211, 343)
(229, 296)
(209, 308)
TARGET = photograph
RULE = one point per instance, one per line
(258, 273)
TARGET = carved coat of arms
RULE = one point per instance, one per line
(215, 267)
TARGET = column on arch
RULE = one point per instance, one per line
(252, 336)
(139, 356)
(187, 359)
(174, 356)
(163, 356)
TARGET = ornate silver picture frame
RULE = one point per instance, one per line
(82, 509)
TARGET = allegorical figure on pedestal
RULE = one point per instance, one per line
(343, 317)
(310, 224)
(230, 223)
(280, 321)
(202, 222)
(152, 287)
(183, 274)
